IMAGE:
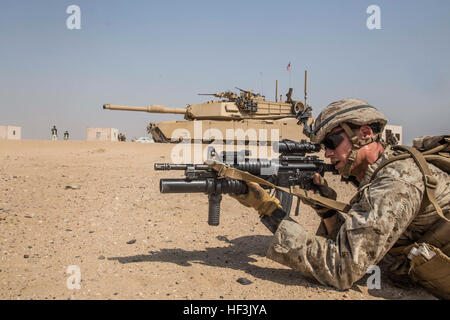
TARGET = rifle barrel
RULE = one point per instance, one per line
(173, 166)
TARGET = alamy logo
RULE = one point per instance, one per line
(374, 20)
(73, 282)
(374, 281)
(74, 20)
(182, 151)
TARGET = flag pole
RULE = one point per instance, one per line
(306, 86)
(290, 78)
(289, 70)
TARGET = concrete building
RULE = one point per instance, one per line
(10, 132)
(102, 134)
(396, 131)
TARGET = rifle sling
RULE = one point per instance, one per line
(225, 171)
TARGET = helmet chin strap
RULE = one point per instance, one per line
(356, 145)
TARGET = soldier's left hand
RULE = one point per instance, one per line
(258, 199)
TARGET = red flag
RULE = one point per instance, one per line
(288, 68)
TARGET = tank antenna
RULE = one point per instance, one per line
(306, 86)
(276, 90)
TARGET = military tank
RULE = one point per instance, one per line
(210, 121)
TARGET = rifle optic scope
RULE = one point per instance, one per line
(296, 147)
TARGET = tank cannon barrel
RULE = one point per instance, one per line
(151, 109)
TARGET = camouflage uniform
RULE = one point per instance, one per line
(385, 213)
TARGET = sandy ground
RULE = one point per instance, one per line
(94, 209)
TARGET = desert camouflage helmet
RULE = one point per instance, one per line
(351, 110)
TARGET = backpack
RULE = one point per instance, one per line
(424, 263)
(432, 149)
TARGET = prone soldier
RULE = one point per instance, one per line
(400, 213)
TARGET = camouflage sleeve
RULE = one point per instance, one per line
(384, 211)
(322, 229)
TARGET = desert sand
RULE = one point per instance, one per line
(95, 207)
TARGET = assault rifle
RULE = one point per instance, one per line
(292, 168)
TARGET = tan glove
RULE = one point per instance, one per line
(258, 199)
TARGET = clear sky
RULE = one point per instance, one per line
(165, 52)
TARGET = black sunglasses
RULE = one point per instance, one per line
(333, 140)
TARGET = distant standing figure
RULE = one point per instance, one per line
(122, 137)
(54, 133)
(66, 135)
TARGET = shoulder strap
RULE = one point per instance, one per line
(429, 180)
